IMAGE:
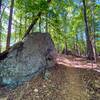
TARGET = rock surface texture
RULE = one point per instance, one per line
(26, 59)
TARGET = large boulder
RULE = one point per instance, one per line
(26, 59)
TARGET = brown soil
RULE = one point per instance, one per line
(63, 83)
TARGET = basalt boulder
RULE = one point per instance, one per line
(26, 59)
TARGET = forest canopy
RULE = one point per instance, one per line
(66, 20)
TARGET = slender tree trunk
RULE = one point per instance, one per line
(34, 21)
(15, 32)
(9, 25)
(66, 48)
(74, 45)
(83, 52)
(20, 31)
(0, 26)
(46, 23)
(25, 18)
(33, 26)
(3, 9)
(93, 29)
(40, 25)
(77, 47)
(90, 51)
(25, 23)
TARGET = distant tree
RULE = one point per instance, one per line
(40, 24)
(90, 47)
(46, 26)
(20, 33)
(93, 27)
(9, 25)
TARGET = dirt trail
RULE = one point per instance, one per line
(77, 62)
(63, 83)
(76, 88)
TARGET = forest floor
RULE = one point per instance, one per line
(71, 79)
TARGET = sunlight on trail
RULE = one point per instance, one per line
(76, 87)
(75, 62)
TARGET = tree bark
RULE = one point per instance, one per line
(20, 31)
(25, 23)
(9, 25)
(83, 51)
(90, 51)
(93, 29)
(77, 46)
(0, 26)
(46, 23)
(15, 32)
(66, 49)
(40, 25)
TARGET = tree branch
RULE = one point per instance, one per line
(34, 22)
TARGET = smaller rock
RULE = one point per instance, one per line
(37, 96)
(64, 92)
(47, 75)
(97, 84)
(4, 98)
(44, 86)
(35, 90)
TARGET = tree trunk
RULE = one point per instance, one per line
(90, 51)
(9, 25)
(93, 29)
(34, 22)
(66, 49)
(77, 46)
(25, 23)
(46, 23)
(74, 45)
(0, 26)
(15, 32)
(83, 50)
(40, 25)
(20, 32)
